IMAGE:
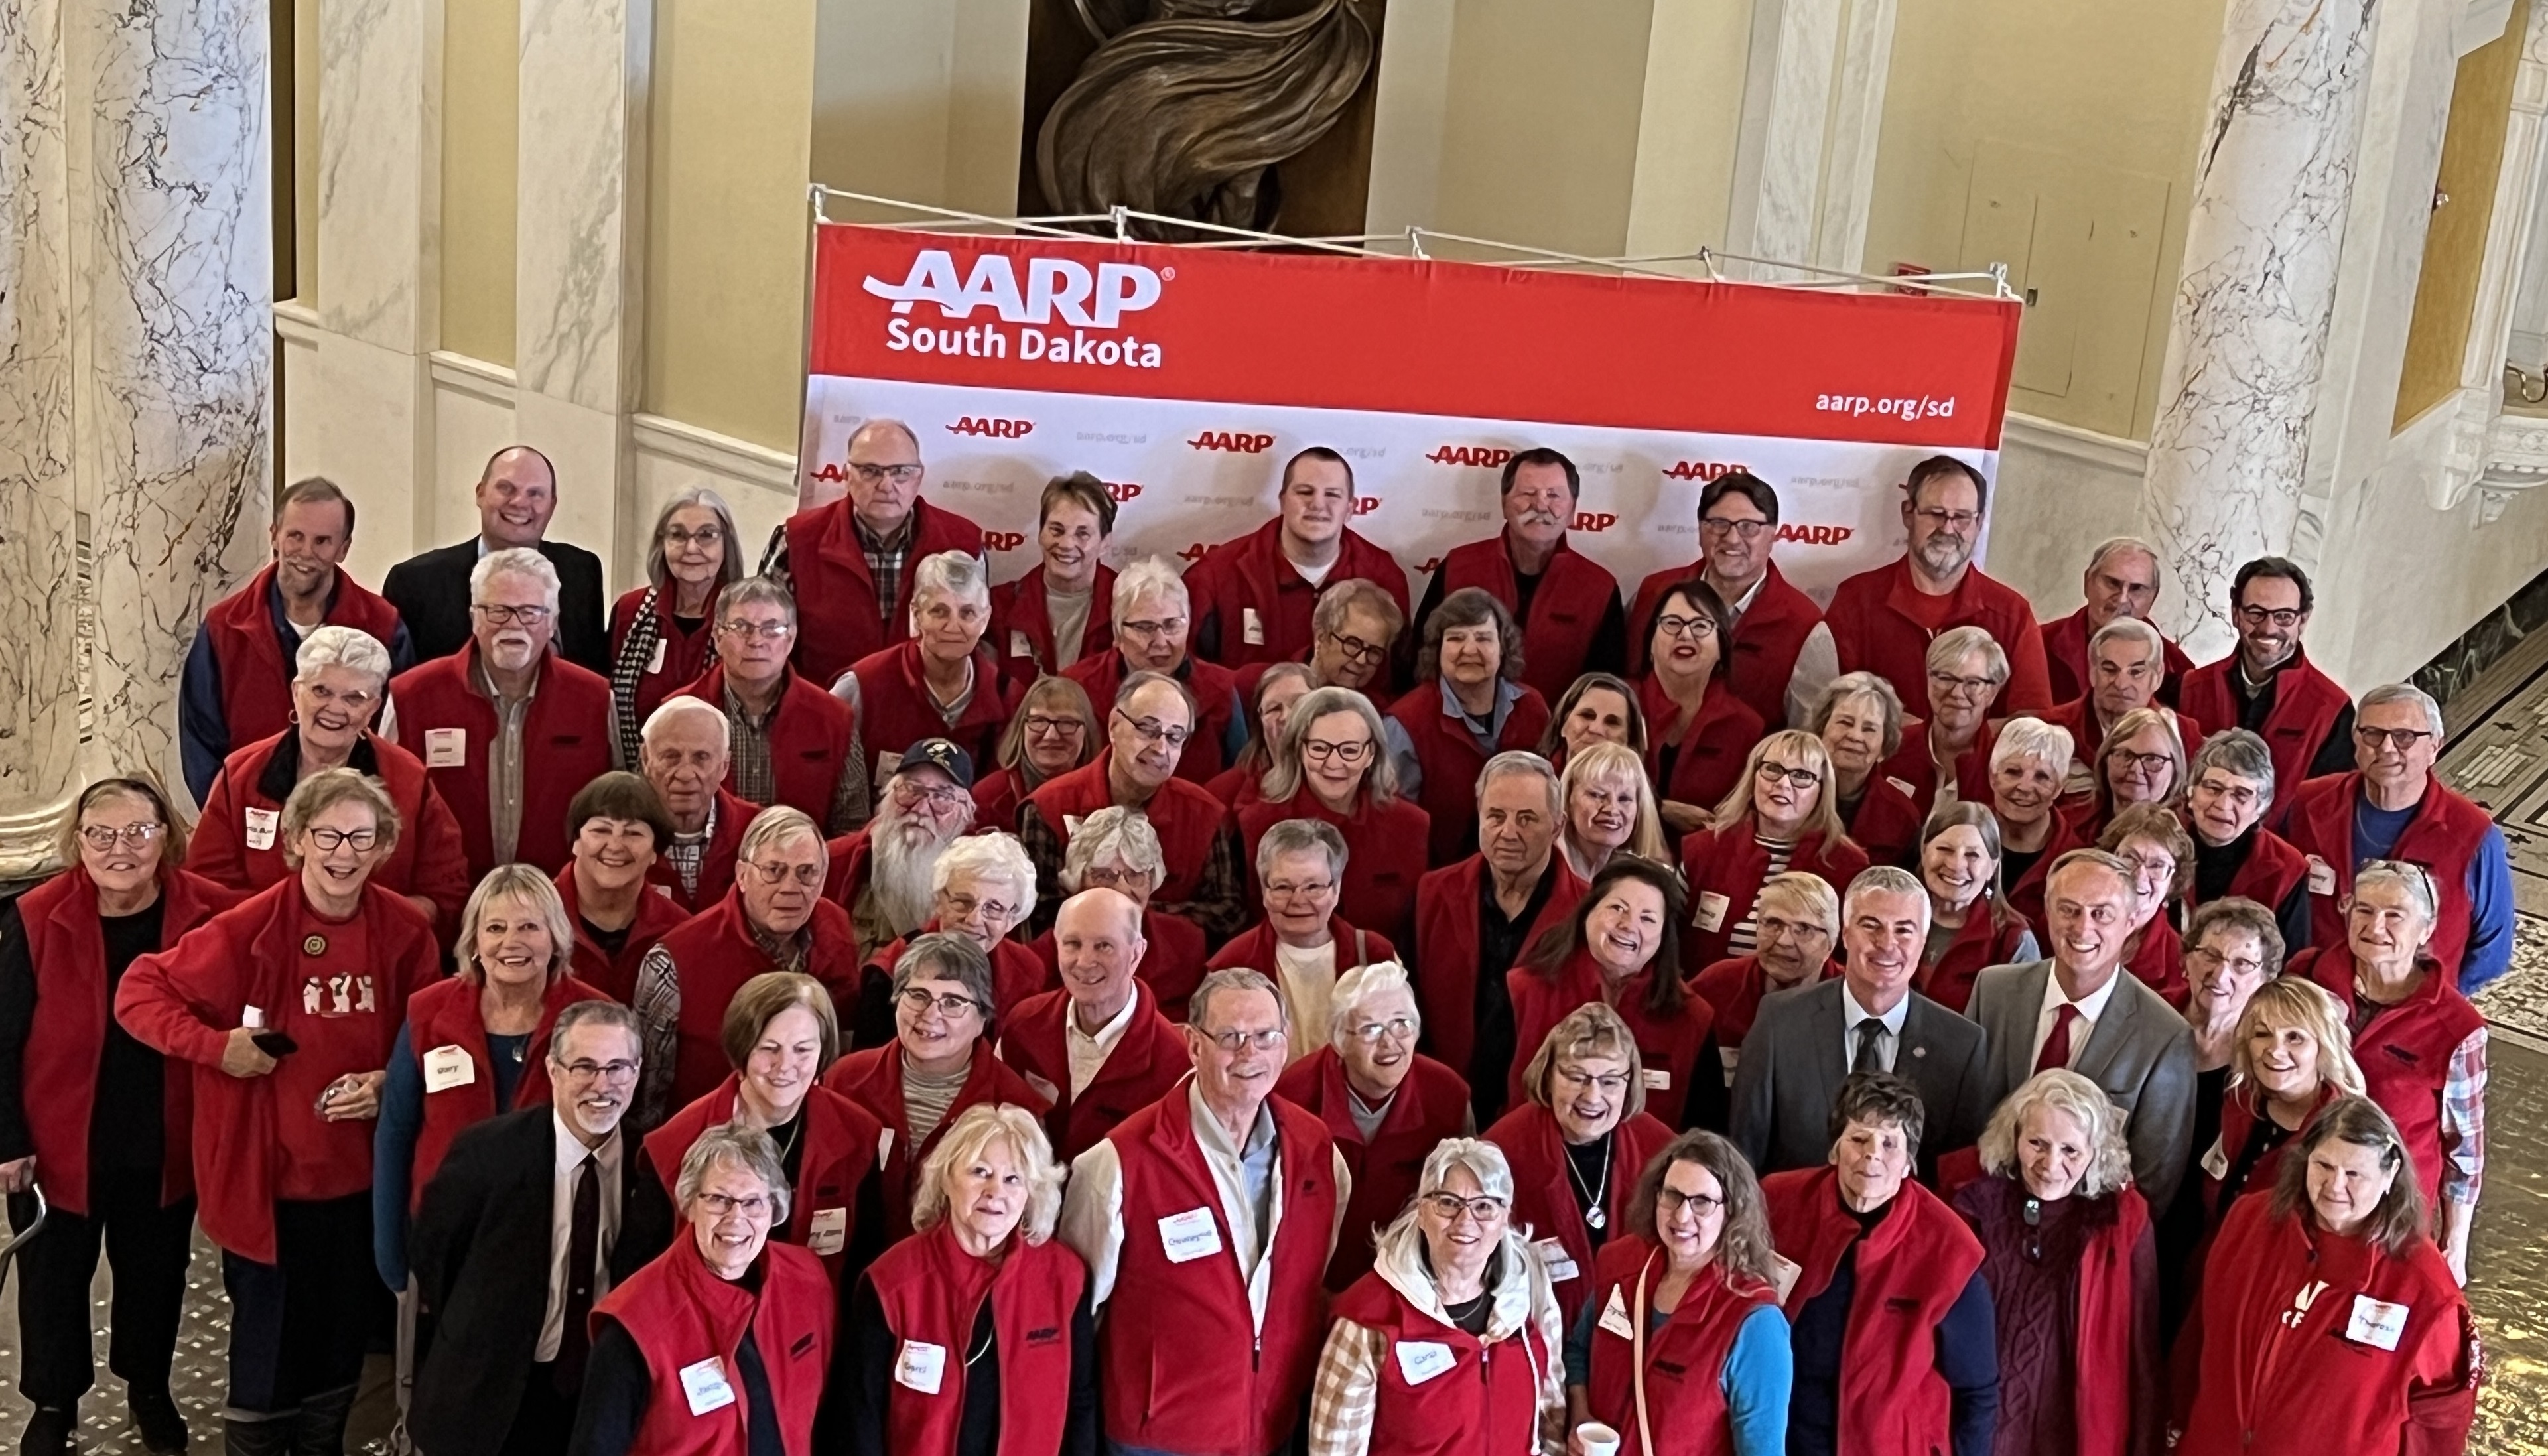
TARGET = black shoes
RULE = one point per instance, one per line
(49, 1432)
(155, 1416)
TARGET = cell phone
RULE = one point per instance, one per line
(275, 1043)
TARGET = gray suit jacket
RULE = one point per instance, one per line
(1793, 1063)
(2141, 1052)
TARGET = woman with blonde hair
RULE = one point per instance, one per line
(1609, 809)
(1053, 731)
(1781, 815)
(2293, 1056)
(956, 1334)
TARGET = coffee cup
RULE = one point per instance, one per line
(1597, 1439)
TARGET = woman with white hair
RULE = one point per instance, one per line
(662, 634)
(2228, 790)
(2029, 759)
(1333, 765)
(941, 682)
(1950, 757)
(1117, 848)
(1859, 717)
(1781, 815)
(955, 1334)
(1454, 1340)
(1383, 1102)
(2074, 1271)
(1152, 617)
(1609, 809)
(340, 679)
(1303, 943)
(982, 887)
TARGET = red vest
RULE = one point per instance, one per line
(1871, 631)
(257, 678)
(896, 711)
(1983, 941)
(1451, 761)
(1729, 863)
(2267, 875)
(2405, 1050)
(1544, 1205)
(2026, 897)
(1215, 695)
(1911, 1269)
(67, 1030)
(1574, 594)
(680, 1315)
(1711, 752)
(1733, 988)
(1385, 846)
(809, 740)
(1684, 1360)
(1263, 604)
(873, 1080)
(446, 1014)
(734, 815)
(1186, 818)
(932, 1293)
(713, 954)
(2102, 1333)
(1254, 948)
(2240, 1108)
(1430, 1105)
(1035, 1041)
(995, 801)
(679, 656)
(1887, 823)
(1668, 1044)
(2066, 659)
(838, 618)
(1185, 1366)
(615, 977)
(1172, 968)
(1915, 772)
(1767, 637)
(1022, 618)
(427, 861)
(2307, 703)
(2278, 1381)
(2157, 961)
(1446, 950)
(1484, 1401)
(566, 745)
(184, 1001)
(841, 1142)
(2443, 837)
(1016, 972)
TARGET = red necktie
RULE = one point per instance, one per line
(2056, 1047)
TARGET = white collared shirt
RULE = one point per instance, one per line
(1088, 1053)
(1887, 1046)
(2090, 1007)
(609, 1160)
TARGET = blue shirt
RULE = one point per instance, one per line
(2489, 888)
(1758, 1372)
(203, 723)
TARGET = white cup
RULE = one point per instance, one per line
(1597, 1439)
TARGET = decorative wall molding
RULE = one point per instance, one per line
(2052, 437)
(719, 455)
(492, 383)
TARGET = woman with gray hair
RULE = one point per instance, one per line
(1469, 704)
(1455, 1292)
(942, 681)
(982, 887)
(937, 1064)
(662, 633)
(2028, 759)
(953, 1332)
(1332, 764)
(340, 680)
(1383, 1101)
(2072, 1264)
(1859, 718)
(1303, 943)
(1116, 849)
(1950, 757)
(2230, 787)
(726, 1317)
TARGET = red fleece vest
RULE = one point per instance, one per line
(1981, 942)
(1887, 823)
(685, 655)
(1446, 950)
(1253, 949)
(840, 1141)
(1711, 752)
(838, 619)
(1186, 818)
(1451, 761)
(427, 861)
(873, 1080)
(734, 815)
(896, 711)
(1385, 848)
(1872, 632)
(1730, 863)
(2268, 873)
(1768, 636)
(682, 1316)
(1215, 693)
(1022, 617)
(2443, 837)
(1263, 604)
(1733, 988)
(2405, 1050)
(713, 954)
(1485, 1400)
(1684, 1360)
(566, 745)
(1669, 1046)
(615, 977)
(1035, 1041)
(1172, 968)
(1574, 594)
(1431, 1104)
(446, 1014)
(932, 1293)
(256, 678)
(1544, 1201)
(809, 740)
(2307, 702)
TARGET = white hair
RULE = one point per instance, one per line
(995, 857)
(520, 561)
(955, 575)
(1152, 576)
(2135, 628)
(673, 708)
(351, 648)
(1125, 833)
(2389, 693)
(2033, 738)
(1358, 985)
(2134, 544)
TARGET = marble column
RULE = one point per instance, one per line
(2248, 334)
(1813, 104)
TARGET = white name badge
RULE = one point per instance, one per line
(1615, 1315)
(446, 748)
(1251, 626)
(1908, 789)
(252, 1018)
(1655, 1081)
(1020, 644)
(827, 1231)
(1711, 916)
(706, 1384)
(1189, 1235)
(2376, 1323)
(1419, 1360)
(1554, 1258)
(886, 764)
(1784, 1274)
(654, 662)
(922, 1366)
(1043, 1088)
(884, 1147)
(2216, 1162)
(446, 1067)
(260, 828)
(2321, 877)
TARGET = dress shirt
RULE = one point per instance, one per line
(1088, 1053)
(609, 1160)
(1887, 1046)
(2090, 1007)
(505, 764)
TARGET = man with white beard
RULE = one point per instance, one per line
(883, 874)
(480, 717)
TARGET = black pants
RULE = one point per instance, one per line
(147, 1247)
(299, 1326)
(545, 1419)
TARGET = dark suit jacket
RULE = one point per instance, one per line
(431, 594)
(2141, 1052)
(479, 1251)
(1793, 1065)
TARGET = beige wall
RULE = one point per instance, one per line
(921, 102)
(2057, 137)
(481, 74)
(305, 151)
(726, 217)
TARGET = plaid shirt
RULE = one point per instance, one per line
(748, 767)
(1218, 906)
(657, 1000)
(2464, 1122)
(1344, 1397)
(884, 561)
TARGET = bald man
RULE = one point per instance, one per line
(517, 494)
(1098, 1047)
(850, 560)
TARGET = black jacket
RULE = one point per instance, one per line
(431, 594)
(479, 1251)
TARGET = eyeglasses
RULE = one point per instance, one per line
(2146, 763)
(505, 616)
(1612, 1084)
(1037, 725)
(1449, 1206)
(900, 475)
(911, 793)
(1717, 525)
(610, 1071)
(2284, 617)
(949, 1004)
(1284, 889)
(107, 835)
(772, 631)
(2401, 739)
(1670, 1201)
(755, 1208)
(1235, 1042)
(2408, 868)
(1151, 730)
(1694, 627)
(1322, 750)
(1766, 928)
(354, 701)
(1163, 627)
(1396, 1029)
(2241, 794)
(1107, 876)
(704, 536)
(962, 907)
(2149, 867)
(1936, 516)
(1356, 650)
(2243, 964)
(777, 873)
(328, 839)
(1972, 686)
(1770, 773)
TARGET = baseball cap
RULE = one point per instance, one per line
(942, 755)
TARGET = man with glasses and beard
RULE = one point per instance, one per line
(2269, 686)
(1738, 525)
(885, 875)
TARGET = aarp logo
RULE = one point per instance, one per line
(1805, 535)
(997, 429)
(1594, 521)
(1365, 504)
(1702, 469)
(1484, 457)
(1062, 288)
(1123, 491)
(1231, 442)
(1004, 540)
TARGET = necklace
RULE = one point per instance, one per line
(795, 1129)
(1596, 1216)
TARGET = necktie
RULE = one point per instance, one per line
(582, 1251)
(2056, 1047)
(1868, 1058)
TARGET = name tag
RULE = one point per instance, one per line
(884, 1147)
(1904, 784)
(886, 764)
(2321, 877)
(705, 1386)
(1655, 1081)
(827, 1231)
(1251, 626)
(1554, 1258)
(922, 1366)
(1043, 1088)
(655, 661)
(1711, 916)
(1189, 1235)
(1020, 644)
(446, 748)
(446, 1067)
(2216, 1162)
(2376, 1323)
(1784, 1274)
(1615, 1315)
(260, 828)
(1419, 1360)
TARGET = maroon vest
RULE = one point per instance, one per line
(2443, 837)
(896, 711)
(1685, 1367)
(809, 740)
(1022, 618)
(566, 745)
(1186, 818)
(1035, 1041)
(2405, 1050)
(1446, 950)
(1431, 1104)
(1485, 1400)
(1451, 761)
(841, 1139)
(1574, 594)
(838, 618)
(2307, 703)
(257, 678)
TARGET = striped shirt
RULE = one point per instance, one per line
(1746, 934)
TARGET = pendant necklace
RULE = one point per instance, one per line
(1596, 1216)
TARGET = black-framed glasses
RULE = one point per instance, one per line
(949, 1004)
(1670, 1201)
(876, 475)
(107, 836)
(1449, 1206)
(1970, 687)
(1695, 626)
(498, 614)
(2401, 739)
(1717, 525)
(1356, 650)
(1151, 730)
(2124, 758)
(1322, 750)
(360, 839)
(1608, 1084)
(2285, 617)
(772, 872)
(1039, 724)
(1796, 778)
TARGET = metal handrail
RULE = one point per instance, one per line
(18, 1239)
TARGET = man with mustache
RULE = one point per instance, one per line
(2269, 686)
(517, 496)
(848, 560)
(1882, 621)
(2122, 581)
(1737, 525)
(236, 688)
(883, 874)
(532, 1218)
(509, 731)
(1252, 594)
(1568, 604)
